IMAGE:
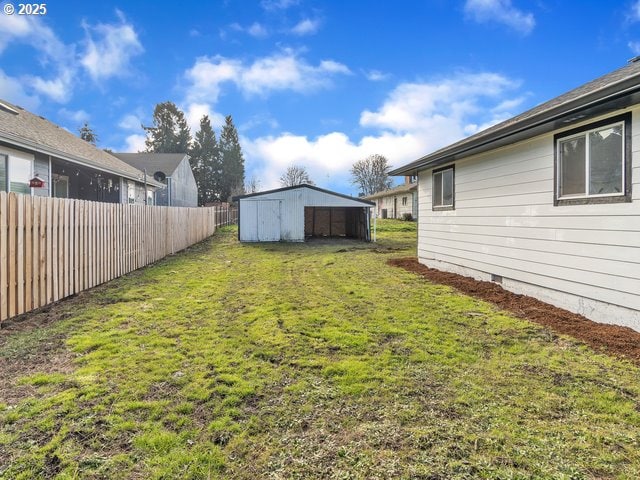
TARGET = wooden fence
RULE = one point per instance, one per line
(51, 248)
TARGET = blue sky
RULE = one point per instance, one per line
(319, 84)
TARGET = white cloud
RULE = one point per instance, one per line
(130, 121)
(635, 47)
(110, 48)
(194, 113)
(634, 12)
(58, 89)
(281, 71)
(135, 143)
(271, 5)
(55, 55)
(500, 11)
(413, 106)
(415, 119)
(376, 75)
(257, 30)
(12, 90)
(306, 26)
(77, 116)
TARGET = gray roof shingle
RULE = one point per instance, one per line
(39, 134)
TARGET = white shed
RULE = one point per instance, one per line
(292, 214)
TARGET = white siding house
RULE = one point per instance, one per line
(547, 203)
(397, 202)
(293, 213)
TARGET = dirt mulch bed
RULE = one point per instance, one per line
(621, 341)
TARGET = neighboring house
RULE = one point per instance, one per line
(546, 203)
(397, 201)
(292, 214)
(32, 146)
(172, 169)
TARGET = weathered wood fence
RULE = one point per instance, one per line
(51, 248)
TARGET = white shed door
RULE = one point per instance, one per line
(268, 220)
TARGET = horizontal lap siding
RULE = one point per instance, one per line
(505, 223)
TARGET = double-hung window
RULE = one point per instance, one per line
(443, 189)
(593, 163)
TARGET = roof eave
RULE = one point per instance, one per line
(20, 142)
(566, 111)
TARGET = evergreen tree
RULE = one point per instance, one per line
(205, 162)
(170, 132)
(232, 171)
(87, 134)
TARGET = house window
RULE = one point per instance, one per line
(443, 189)
(60, 186)
(413, 179)
(131, 192)
(15, 174)
(404, 201)
(593, 163)
(149, 197)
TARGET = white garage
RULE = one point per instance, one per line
(293, 214)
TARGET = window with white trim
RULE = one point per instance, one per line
(593, 163)
(443, 189)
(15, 173)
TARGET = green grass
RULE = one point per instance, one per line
(310, 361)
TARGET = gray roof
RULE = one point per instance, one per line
(404, 188)
(614, 90)
(153, 162)
(22, 128)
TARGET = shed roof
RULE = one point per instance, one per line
(305, 185)
(617, 89)
(22, 128)
(153, 162)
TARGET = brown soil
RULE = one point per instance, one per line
(620, 341)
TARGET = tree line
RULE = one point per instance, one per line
(218, 164)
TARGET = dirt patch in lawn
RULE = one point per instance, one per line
(622, 341)
(44, 353)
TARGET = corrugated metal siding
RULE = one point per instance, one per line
(505, 223)
(291, 211)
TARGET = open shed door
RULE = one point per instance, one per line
(268, 220)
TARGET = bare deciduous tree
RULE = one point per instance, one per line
(252, 186)
(295, 175)
(371, 174)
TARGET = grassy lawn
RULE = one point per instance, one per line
(307, 361)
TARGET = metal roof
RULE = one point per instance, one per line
(615, 90)
(303, 185)
(25, 129)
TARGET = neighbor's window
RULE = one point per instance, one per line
(443, 192)
(593, 163)
(131, 192)
(404, 201)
